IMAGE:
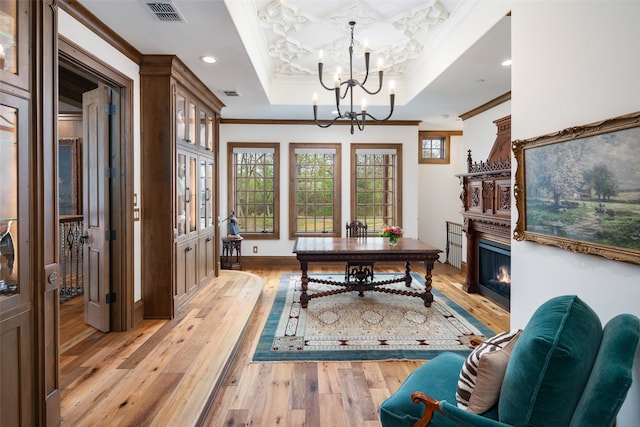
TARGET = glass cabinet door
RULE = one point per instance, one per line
(206, 193)
(210, 195)
(14, 38)
(181, 118)
(9, 201)
(192, 205)
(191, 119)
(181, 194)
(202, 128)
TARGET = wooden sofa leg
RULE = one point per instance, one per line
(430, 406)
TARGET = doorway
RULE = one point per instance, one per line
(81, 74)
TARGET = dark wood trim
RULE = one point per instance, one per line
(484, 107)
(231, 121)
(86, 18)
(160, 65)
(122, 252)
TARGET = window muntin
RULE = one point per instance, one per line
(254, 188)
(314, 198)
(376, 187)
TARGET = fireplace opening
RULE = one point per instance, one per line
(494, 271)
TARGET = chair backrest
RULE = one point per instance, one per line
(610, 377)
(550, 364)
(356, 229)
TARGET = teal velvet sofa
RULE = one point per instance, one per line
(564, 370)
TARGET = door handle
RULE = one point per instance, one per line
(84, 239)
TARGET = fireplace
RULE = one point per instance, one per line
(494, 271)
(486, 199)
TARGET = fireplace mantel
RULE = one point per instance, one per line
(486, 199)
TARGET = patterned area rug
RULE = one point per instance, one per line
(378, 326)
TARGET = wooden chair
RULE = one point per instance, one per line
(362, 271)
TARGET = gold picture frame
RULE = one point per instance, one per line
(579, 189)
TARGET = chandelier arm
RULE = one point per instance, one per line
(337, 92)
(315, 118)
(392, 100)
(361, 85)
(349, 87)
(320, 67)
(366, 68)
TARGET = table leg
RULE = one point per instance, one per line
(304, 298)
(407, 274)
(428, 296)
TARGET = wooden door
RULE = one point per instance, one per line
(95, 152)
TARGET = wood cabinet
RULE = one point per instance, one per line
(29, 273)
(180, 119)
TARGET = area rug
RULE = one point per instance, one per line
(377, 326)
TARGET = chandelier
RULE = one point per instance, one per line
(355, 118)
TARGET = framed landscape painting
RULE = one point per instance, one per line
(579, 189)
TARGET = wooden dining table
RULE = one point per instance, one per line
(364, 249)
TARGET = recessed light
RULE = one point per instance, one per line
(506, 63)
(209, 59)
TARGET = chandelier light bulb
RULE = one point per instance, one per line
(320, 57)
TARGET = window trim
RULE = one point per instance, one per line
(398, 203)
(436, 134)
(275, 235)
(337, 185)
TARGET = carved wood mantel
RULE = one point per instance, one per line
(486, 199)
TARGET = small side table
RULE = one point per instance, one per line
(231, 258)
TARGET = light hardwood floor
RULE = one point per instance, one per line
(158, 373)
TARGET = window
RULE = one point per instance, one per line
(254, 188)
(314, 197)
(376, 190)
(434, 146)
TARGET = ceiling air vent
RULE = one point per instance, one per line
(231, 93)
(165, 11)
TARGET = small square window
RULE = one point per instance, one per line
(433, 147)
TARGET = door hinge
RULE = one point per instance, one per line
(110, 298)
(110, 109)
(110, 235)
(110, 173)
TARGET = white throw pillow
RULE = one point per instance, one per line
(482, 373)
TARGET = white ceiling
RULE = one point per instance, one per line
(267, 52)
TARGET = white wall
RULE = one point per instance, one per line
(81, 36)
(574, 63)
(439, 200)
(285, 134)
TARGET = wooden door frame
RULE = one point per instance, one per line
(122, 185)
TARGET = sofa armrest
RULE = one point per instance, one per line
(430, 406)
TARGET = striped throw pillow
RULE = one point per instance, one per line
(482, 373)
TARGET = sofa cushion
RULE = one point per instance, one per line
(482, 373)
(550, 364)
(437, 378)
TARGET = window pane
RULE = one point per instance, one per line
(254, 169)
(9, 37)
(377, 195)
(315, 186)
